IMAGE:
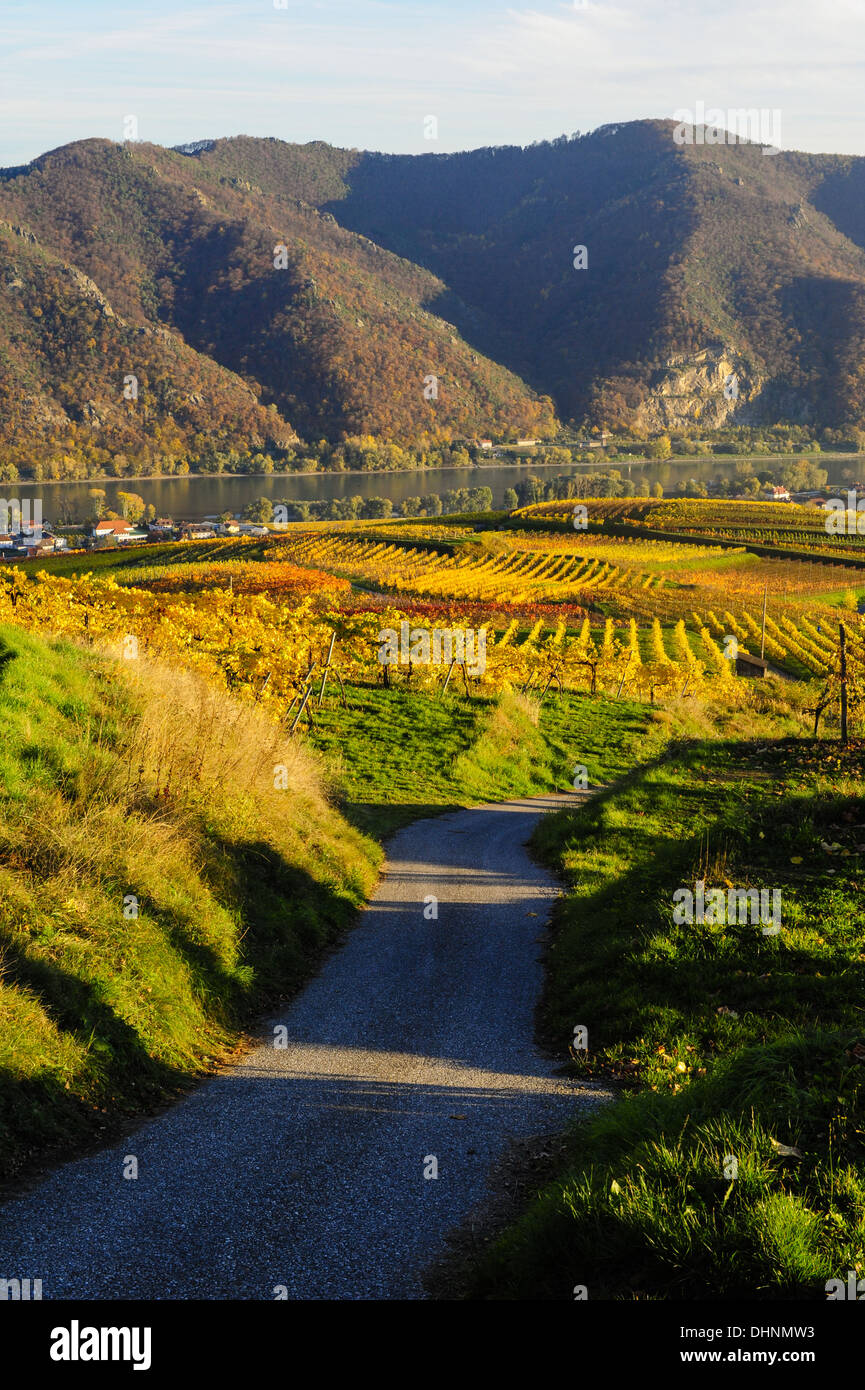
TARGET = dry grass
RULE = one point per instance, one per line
(141, 784)
(191, 733)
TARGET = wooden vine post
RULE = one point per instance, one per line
(843, 632)
(324, 673)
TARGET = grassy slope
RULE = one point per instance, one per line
(143, 781)
(406, 754)
(162, 789)
(730, 1042)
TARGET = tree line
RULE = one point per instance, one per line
(357, 508)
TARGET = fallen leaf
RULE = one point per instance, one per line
(786, 1150)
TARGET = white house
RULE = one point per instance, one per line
(118, 530)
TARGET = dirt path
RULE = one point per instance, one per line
(303, 1167)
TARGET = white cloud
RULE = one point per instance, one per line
(360, 73)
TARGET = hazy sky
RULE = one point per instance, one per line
(367, 73)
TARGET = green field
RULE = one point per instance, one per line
(731, 1166)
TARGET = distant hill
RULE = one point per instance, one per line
(132, 259)
(706, 263)
(704, 260)
(67, 363)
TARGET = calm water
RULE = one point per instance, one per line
(193, 498)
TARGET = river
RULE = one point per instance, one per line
(200, 495)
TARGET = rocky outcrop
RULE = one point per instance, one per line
(89, 290)
(704, 389)
(23, 232)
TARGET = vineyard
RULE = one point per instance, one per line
(802, 529)
(511, 576)
(270, 650)
(705, 515)
(809, 643)
(629, 551)
(641, 616)
(240, 577)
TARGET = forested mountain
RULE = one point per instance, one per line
(80, 385)
(190, 279)
(703, 260)
(259, 288)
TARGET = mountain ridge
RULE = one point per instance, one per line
(331, 293)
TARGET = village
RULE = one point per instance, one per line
(39, 538)
(117, 531)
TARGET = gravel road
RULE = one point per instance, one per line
(302, 1168)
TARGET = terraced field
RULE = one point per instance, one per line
(511, 576)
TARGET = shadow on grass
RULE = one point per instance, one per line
(643, 1208)
(42, 1111)
(629, 919)
(381, 819)
(287, 919)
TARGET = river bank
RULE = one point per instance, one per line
(194, 496)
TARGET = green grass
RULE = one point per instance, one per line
(127, 562)
(403, 754)
(726, 1042)
(162, 790)
(607, 736)
(96, 560)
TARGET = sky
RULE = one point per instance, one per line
(369, 74)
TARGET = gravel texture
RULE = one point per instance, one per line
(302, 1168)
